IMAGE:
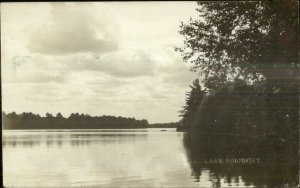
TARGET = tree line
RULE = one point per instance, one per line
(28, 120)
(164, 125)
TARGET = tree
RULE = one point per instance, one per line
(249, 40)
(144, 122)
(49, 116)
(59, 115)
(193, 100)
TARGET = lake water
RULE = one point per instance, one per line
(100, 158)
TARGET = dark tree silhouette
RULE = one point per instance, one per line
(252, 45)
(74, 121)
(193, 100)
(247, 53)
(243, 39)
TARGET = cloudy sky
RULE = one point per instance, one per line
(99, 58)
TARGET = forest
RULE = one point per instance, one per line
(74, 121)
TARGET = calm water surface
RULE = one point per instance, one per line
(99, 158)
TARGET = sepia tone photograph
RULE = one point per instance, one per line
(150, 94)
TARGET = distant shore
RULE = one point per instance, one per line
(28, 120)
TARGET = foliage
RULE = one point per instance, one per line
(193, 100)
(238, 108)
(242, 39)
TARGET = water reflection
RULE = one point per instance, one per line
(75, 138)
(255, 161)
(143, 159)
(151, 158)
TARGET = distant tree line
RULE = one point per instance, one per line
(164, 125)
(74, 121)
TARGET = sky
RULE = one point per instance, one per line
(97, 58)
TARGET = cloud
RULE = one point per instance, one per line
(121, 64)
(74, 29)
(96, 58)
(40, 77)
(176, 72)
(27, 69)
